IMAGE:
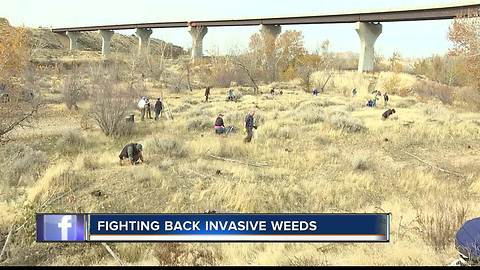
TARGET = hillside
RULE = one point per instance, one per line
(50, 45)
(92, 41)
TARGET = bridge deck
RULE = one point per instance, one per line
(440, 13)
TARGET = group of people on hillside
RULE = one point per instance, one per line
(373, 102)
(376, 96)
(144, 106)
(230, 94)
(220, 127)
(133, 151)
(273, 92)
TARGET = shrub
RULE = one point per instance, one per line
(200, 111)
(332, 151)
(191, 101)
(69, 180)
(232, 150)
(395, 83)
(312, 117)
(468, 96)
(182, 108)
(275, 131)
(284, 132)
(321, 139)
(234, 117)
(354, 105)
(71, 142)
(166, 163)
(438, 225)
(360, 161)
(314, 105)
(346, 122)
(259, 119)
(126, 129)
(21, 164)
(428, 90)
(199, 124)
(167, 147)
(405, 103)
(392, 84)
(87, 161)
(73, 90)
(109, 109)
(435, 109)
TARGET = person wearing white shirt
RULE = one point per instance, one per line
(141, 107)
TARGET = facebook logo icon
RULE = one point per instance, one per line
(65, 228)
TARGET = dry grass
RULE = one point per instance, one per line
(326, 154)
(440, 224)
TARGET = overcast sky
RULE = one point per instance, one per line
(411, 39)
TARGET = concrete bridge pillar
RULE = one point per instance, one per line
(368, 33)
(106, 38)
(271, 29)
(143, 35)
(73, 36)
(197, 33)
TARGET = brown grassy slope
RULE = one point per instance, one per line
(325, 154)
(92, 41)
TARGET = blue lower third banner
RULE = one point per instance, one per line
(219, 228)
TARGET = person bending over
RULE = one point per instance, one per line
(131, 152)
(387, 113)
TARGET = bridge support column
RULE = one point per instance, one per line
(271, 29)
(143, 35)
(106, 39)
(73, 36)
(197, 33)
(269, 33)
(368, 33)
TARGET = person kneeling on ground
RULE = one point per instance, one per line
(220, 126)
(132, 152)
(231, 95)
(387, 113)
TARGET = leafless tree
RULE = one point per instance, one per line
(246, 62)
(109, 108)
(73, 88)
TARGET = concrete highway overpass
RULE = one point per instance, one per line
(368, 27)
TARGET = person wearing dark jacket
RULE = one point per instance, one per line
(207, 93)
(158, 109)
(132, 152)
(387, 113)
(385, 99)
(249, 125)
(219, 125)
(148, 108)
